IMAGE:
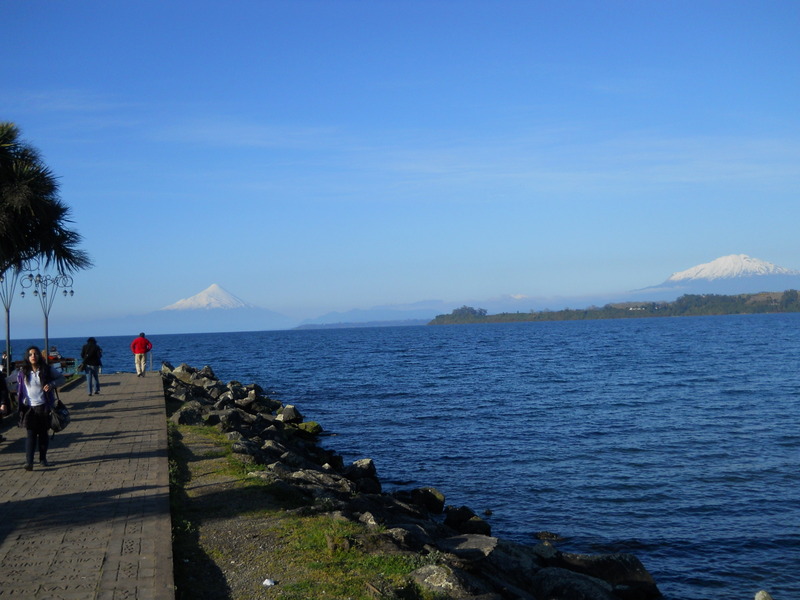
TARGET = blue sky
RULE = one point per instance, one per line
(312, 156)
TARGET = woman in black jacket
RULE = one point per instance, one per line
(91, 354)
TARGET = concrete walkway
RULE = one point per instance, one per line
(96, 523)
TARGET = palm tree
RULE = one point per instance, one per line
(33, 219)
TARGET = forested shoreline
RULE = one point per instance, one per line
(690, 305)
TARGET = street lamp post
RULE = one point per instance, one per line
(46, 289)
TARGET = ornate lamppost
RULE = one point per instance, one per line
(46, 289)
(8, 284)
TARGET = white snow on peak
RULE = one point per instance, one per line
(727, 267)
(213, 296)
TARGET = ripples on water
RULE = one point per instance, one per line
(675, 439)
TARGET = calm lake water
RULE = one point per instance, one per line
(676, 439)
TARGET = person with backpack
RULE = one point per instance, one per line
(91, 355)
(36, 394)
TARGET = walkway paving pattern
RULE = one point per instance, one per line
(95, 525)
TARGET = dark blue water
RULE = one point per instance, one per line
(675, 439)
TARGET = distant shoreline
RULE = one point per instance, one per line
(693, 305)
(397, 323)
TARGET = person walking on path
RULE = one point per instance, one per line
(140, 347)
(91, 355)
(36, 394)
(5, 401)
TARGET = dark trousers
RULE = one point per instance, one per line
(38, 423)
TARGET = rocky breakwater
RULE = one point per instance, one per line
(462, 559)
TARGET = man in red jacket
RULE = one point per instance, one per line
(140, 347)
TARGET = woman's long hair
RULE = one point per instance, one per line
(26, 364)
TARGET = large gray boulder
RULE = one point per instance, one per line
(250, 448)
(359, 469)
(322, 484)
(428, 498)
(623, 571)
(449, 581)
(289, 414)
(508, 565)
(560, 584)
(184, 373)
(469, 547)
(365, 476)
(191, 413)
(234, 419)
(464, 520)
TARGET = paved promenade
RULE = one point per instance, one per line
(96, 523)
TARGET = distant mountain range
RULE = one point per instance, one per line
(215, 309)
(733, 274)
(398, 314)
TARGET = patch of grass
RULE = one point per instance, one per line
(231, 530)
(332, 564)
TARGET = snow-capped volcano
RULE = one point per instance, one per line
(728, 275)
(727, 267)
(213, 296)
(214, 309)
